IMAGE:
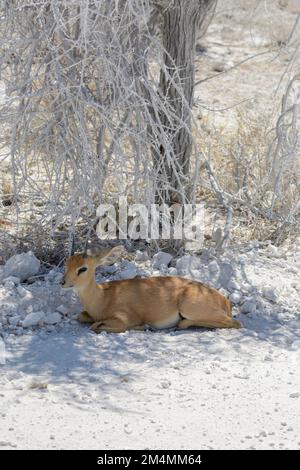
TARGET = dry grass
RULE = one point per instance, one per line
(241, 160)
(7, 192)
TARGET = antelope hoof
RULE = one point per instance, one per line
(96, 327)
(236, 324)
(84, 317)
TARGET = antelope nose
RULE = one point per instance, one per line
(62, 282)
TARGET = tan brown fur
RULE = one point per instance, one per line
(160, 302)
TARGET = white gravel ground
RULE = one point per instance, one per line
(62, 386)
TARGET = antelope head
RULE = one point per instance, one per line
(80, 268)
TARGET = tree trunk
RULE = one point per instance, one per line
(182, 20)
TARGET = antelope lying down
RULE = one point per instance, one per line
(159, 302)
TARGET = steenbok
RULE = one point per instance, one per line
(158, 302)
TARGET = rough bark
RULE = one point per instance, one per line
(182, 22)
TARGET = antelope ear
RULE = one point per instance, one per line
(108, 256)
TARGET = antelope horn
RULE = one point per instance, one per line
(85, 247)
(72, 247)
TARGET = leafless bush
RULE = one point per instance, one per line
(84, 120)
(256, 166)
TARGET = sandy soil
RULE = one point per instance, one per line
(256, 33)
(63, 386)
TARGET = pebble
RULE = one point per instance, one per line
(223, 291)
(235, 298)
(165, 384)
(33, 319)
(270, 294)
(248, 306)
(172, 272)
(62, 309)
(23, 266)
(243, 259)
(50, 328)
(14, 320)
(188, 264)
(9, 284)
(161, 259)
(246, 288)
(272, 251)
(19, 331)
(7, 444)
(129, 272)
(24, 292)
(233, 285)
(16, 280)
(213, 266)
(53, 318)
(226, 273)
(127, 429)
(141, 256)
(294, 395)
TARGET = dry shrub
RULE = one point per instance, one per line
(7, 193)
(243, 164)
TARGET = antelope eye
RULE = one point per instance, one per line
(81, 270)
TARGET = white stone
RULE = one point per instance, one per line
(141, 256)
(165, 384)
(53, 318)
(110, 269)
(9, 285)
(213, 266)
(246, 288)
(233, 285)
(22, 266)
(172, 272)
(295, 346)
(58, 278)
(19, 331)
(226, 273)
(223, 291)
(273, 251)
(161, 259)
(14, 320)
(292, 270)
(235, 298)
(62, 309)
(50, 328)
(248, 306)
(24, 292)
(294, 395)
(156, 272)
(270, 294)
(33, 319)
(14, 279)
(52, 273)
(243, 259)
(128, 273)
(187, 264)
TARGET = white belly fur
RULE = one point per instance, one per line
(169, 322)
